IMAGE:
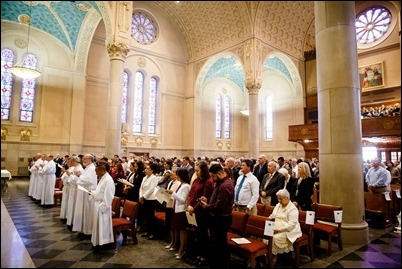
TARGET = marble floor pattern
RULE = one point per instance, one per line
(33, 236)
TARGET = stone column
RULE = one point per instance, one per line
(253, 120)
(117, 53)
(339, 123)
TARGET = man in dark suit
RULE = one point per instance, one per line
(186, 164)
(290, 183)
(271, 183)
(261, 168)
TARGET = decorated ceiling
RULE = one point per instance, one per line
(61, 19)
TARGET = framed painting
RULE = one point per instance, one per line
(372, 76)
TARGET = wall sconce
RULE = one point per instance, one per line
(219, 144)
(124, 139)
(4, 132)
(139, 140)
(25, 135)
(228, 145)
(153, 141)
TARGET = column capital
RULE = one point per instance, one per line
(117, 50)
(253, 87)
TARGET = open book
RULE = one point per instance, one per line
(241, 240)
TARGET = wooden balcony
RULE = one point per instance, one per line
(383, 131)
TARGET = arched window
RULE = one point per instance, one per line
(218, 116)
(268, 122)
(138, 101)
(153, 90)
(28, 91)
(7, 59)
(124, 98)
(226, 113)
(222, 117)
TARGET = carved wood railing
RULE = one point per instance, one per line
(371, 127)
(307, 134)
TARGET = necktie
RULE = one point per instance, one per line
(267, 182)
(238, 189)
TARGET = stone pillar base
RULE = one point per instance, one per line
(355, 234)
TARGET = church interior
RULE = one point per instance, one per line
(298, 79)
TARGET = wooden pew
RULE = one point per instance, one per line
(395, 202)
(378, 210)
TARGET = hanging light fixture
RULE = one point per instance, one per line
(21, 70)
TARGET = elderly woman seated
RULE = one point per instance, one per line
(287, 227)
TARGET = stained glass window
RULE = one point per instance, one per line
(226, 112)
(124, 98)
(218, 116)
(372, 23)
(268, 123)
(28, 91)
(143, 28)
(152, 105)
(138, 102)
(7, 58)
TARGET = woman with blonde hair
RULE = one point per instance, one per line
(305, 187)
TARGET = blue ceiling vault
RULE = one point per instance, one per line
(61, 19)
(227, 67)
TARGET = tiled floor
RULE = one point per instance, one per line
(50, 244)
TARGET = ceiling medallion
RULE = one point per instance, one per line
(142, 62)
(20, 43)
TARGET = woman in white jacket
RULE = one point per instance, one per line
(179, 222)
(287, 227)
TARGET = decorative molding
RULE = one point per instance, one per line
(285, 25)
(4, 132)
(253, 87)
(219, 144)
(371, 127)
(20, 43)
(84, 40)
(25, 134)
(311, 91)
(153, 141)
(117, 50)
(214, 32)
(139, 140)
(142, 62)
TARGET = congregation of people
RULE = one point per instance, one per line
(209, 189)
(381, 111)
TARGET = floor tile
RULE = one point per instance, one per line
(51, 245)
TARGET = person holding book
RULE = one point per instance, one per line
(287, 227)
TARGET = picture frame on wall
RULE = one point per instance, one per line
(372, 76)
